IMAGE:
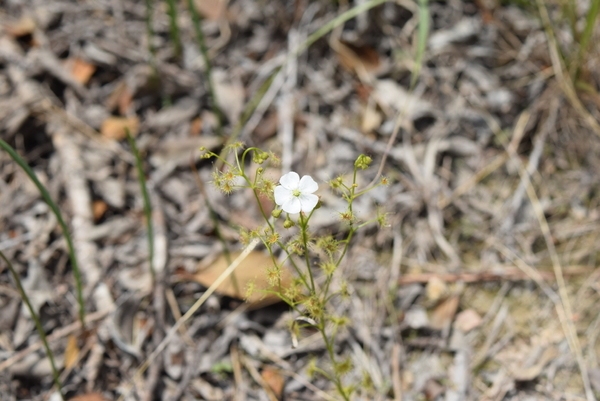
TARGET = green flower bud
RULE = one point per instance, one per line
(362, 162)
(276, 213)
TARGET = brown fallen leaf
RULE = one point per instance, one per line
(357, 58)
(120, 98)
(211, 9)
(71, 352)
(99, 207)
(274, 380)
(443, 314)
(24, 26)
(80, 69)
(196, 126)
(116, 127)
(251, 271)
(467, 320)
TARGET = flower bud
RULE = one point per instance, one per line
(276, 213)
(288, 223)
(362, 162)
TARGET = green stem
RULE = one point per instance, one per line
(330, 351)
(337, 21)
(421, 41)
(147, 204)
(46, 196)
(197, 22)
(318, 34)
(38, 324)
(590, 24)
(174, 28)
(150, 34)
(303, 231)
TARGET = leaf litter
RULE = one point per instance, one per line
(457, 299)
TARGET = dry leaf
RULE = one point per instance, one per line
(22, 27)
(211, 9)
(357, 58)
(436, 289)
(120, 98)
(274, 380)
(196, 126)
(371, 119)
(115, 127)
(71, 352)
(251, 271)
(99, 207)
(444, 313)
(80, 69)
(467, 320)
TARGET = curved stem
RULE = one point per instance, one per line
(48, 199)
(38, 324)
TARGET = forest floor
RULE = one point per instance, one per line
(483, 285)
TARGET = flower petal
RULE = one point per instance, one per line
(282, 195)
(308, 201)
(307, 185)
(292, 206)
(290, 180)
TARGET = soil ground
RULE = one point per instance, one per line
(482, 286)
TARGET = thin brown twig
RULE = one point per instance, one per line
(504, 273)
(258, 378)
(564, 309)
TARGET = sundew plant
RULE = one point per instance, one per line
(314, 258)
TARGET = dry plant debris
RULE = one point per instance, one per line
(494, 206)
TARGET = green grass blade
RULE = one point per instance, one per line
(197, 22)
(46, 196)
(590, 23)
(38, 323)
(147, 204)
(337, 21)
(174, 28)
(150, 34)
(421, 40)
(312, 38)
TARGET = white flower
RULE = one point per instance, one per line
(295, 194)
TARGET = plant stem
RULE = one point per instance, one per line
(303, 230)
(207, 65)
(147, 204)
(588, 30)
(150, 34)
(421, 40)
(174, 28)
(330, 351)
(38, 324)
(71, 248)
